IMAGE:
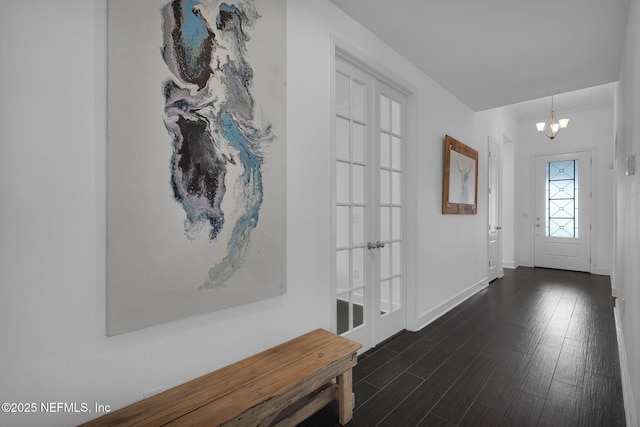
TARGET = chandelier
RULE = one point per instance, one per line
(552, 126)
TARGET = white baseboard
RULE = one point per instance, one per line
(425, 318)
(602, 271)
(627, 392)
(509, 265)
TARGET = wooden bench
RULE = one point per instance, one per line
(280, 386)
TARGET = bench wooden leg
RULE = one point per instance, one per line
(346, 398)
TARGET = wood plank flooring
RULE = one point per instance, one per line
(536, 348)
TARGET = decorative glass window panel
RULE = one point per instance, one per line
(562, 199)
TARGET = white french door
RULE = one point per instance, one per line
(388, 196)
(562, 235)
(368, 181)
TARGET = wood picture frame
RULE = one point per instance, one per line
(460, 182)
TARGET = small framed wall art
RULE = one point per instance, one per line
(460, 182)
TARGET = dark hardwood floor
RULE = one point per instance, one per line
(536, 348)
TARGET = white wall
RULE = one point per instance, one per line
(52, 224)
(627, 250)
(588, 130)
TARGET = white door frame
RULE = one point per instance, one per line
(495, 230)
(352, 55)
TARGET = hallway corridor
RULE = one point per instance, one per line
(536, 348)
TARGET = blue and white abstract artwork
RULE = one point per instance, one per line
(195, 157)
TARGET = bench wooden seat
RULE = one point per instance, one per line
(280, 386)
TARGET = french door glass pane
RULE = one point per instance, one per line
(385, 262)
(343, 220)
(342, 182)
(395, 117)
(358, 143)
(396, 150)
(384, 114)
(384, 150)
(358, 184)
(357, 221)
(358, 308)
(395, 294)
(396, 191)
(343, 269)
(342, 139)
(395, 259)
(342, 95)
(385, 187)
(357, 100)
(342, 308)
(358, 267)
(385, 297)
(385, 222)
(396, 223)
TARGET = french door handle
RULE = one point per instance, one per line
(375, 245)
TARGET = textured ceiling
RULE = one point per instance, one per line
(493, 53)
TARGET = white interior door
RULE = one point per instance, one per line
(562, 234)
(495, 233)
(368, 207)
(389, 278)
(353, 127)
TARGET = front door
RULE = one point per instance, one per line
(368, 206)
(562, 234)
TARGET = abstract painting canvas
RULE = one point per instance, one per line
(196, 105)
